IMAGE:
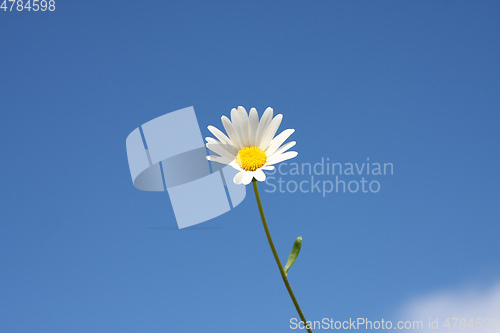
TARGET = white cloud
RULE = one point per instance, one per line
(469, 303)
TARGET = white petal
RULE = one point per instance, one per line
(247, 178)
(211, 140)
(268, 167)
(218, 159)
(229, 148)
(259, 175)
(238, 121)
(219, 135)
(235, 120)
(264, 122)
(234, 117)
(282, 149)
(231, 131)
(235, 165)
(253, 123)
(271, 130)
(243, 123)
(282, 157)
(219, 149)
(278, 141)
(238, 177)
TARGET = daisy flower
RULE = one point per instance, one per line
(250, 146)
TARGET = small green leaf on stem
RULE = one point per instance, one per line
(294, 254)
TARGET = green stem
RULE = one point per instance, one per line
(275, 254)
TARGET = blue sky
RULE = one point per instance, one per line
(411, 83)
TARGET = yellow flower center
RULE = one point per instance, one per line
(251, 158)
